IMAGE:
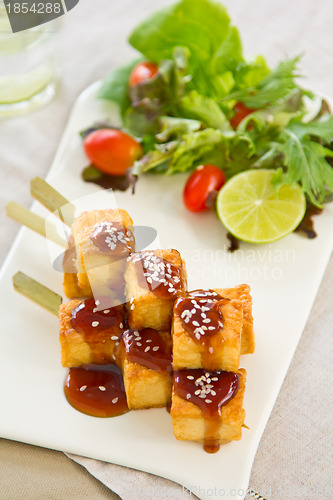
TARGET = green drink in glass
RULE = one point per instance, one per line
(28, 73)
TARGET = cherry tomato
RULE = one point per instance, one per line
(141, 72)
(112, 151)
(240, 112)
(201, 183)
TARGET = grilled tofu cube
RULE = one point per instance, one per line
(72, 289)
(145, 360)
(71, 285)
(206, 333)
(242, 293)
(103, 241)
(192, 423)
(154, 279)
(94, 340)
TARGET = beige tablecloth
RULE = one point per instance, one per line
(293, 459)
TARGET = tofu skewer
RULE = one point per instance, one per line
(37, 292)
(34, 222)
(96, 252)
(51, 199)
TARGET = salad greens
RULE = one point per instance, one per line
(184, 115)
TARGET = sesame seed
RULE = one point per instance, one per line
(188, 396)
(106, 311)
(97, 302)
(95, 309)
(207, 320)
(147, 349)
(213, 393)
(83, 388)
(208, 400)
(139, 344)
(215, 379)
(156, 348)
(114, 337)
(132, 307)
(115, 400)
(198, 336)
(190, 377)
(148, 340)
(121, 325)
(197, 392)
(102, 388)
(95, 323)
(211, 350)
(195, 323)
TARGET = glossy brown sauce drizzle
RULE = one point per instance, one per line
(99, 326)
(307, 224)
(233, 243)
(201, 317)
(97, 390)
(148, 348)
(158, 275)
(113, 237)
(210, 391)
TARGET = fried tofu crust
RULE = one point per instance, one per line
(97, 270)
(145, 309)
(189, 423)
(75, 350)
(188, 353)
(72, 289)
(144, 387)
(242, 293)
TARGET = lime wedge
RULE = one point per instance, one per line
(253, 210)
(17, 88)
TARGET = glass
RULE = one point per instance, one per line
(28, 69)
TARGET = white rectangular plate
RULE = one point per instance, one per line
(284, 277)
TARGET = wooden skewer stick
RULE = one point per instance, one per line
(37, 292)
(52, 200)
(35, 222)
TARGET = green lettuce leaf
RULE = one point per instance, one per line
(115, 85)
(176, 127)
(200, 25)
(195, 106)
(229, 151)
(229, 54)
